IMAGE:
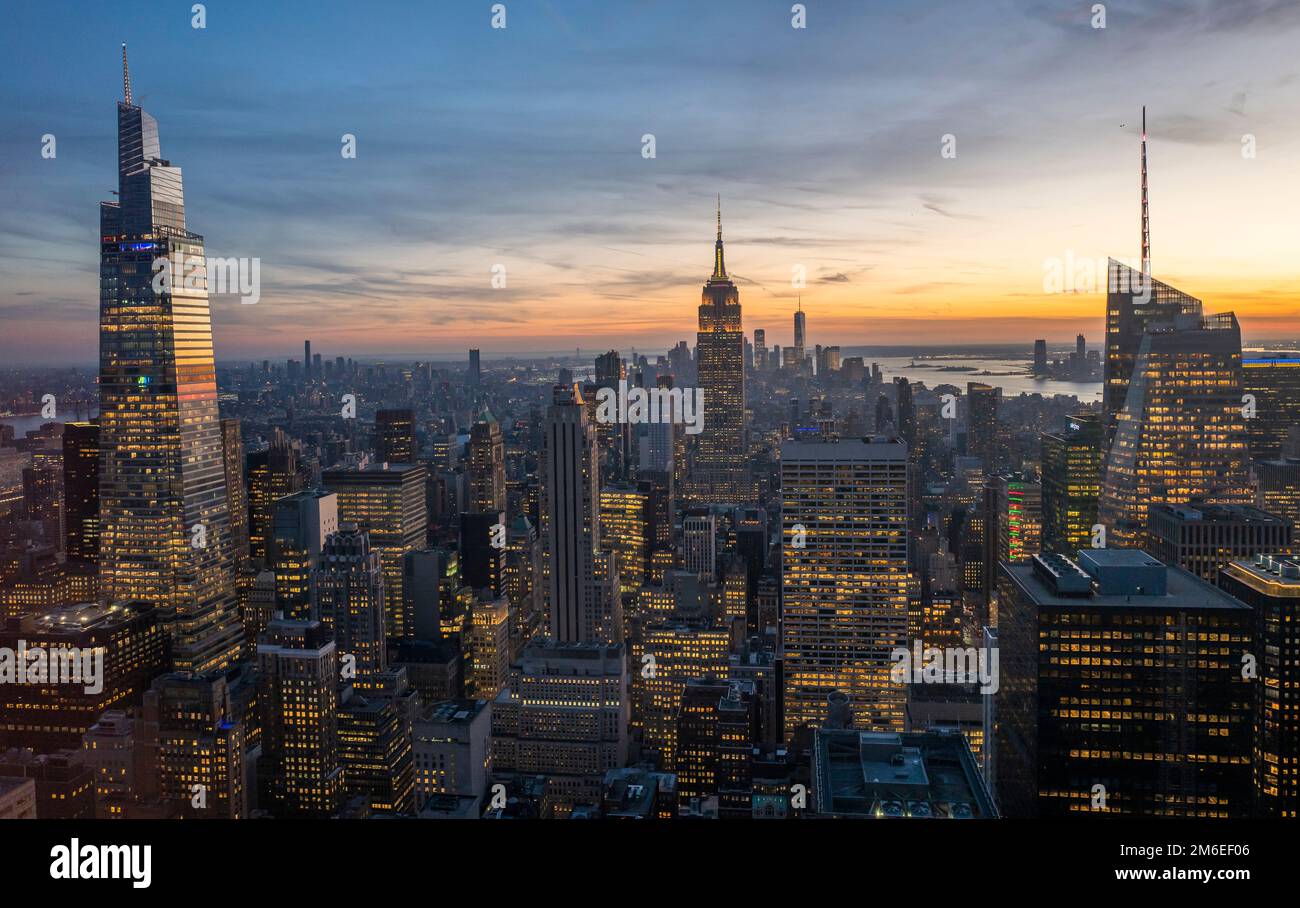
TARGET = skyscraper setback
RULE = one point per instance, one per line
(164, 515)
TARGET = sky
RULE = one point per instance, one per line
(523, 147)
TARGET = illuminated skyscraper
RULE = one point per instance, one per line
(164, 513)
(272, 474)
(1180, 433)
(388, 501)
(487, 464)
(719, 474)
(232, 453)
(1133, 301)
(347, 596)
(299, 771)
(844, 578)
(1071, 461)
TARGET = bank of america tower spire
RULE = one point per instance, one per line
(164, 514)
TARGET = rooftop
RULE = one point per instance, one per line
(916, 775)
(1121, 578)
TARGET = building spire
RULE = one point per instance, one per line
(719, 269)
(126, 77)
(1146, 211)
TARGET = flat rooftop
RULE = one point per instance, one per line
(1218, 513)
(1183, 590)
(916, 775)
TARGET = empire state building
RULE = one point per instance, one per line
(164, 512)
(719, 474)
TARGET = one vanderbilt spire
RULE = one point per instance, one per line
(126, 77)
(719, 269)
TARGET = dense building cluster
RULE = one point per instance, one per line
(340, 588)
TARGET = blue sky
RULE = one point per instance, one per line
(522, 147)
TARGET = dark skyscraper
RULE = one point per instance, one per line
(982, 437)
(720, 471)
(1040, 357)
(164, 514)
(81, 491)
(395, 436)
(1114, 656)
(474, 374)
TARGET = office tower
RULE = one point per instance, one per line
(375, 751)
(844, 579)
(81, 492)
(1113, 656)
(1071, 464)
(907, 428)
(388, 501)
(43, 495)
(162, 488)
(232, 459)
(1134, 301)
(1203, 538)
(1270, 585)
(451, 741)
(347, 596)
(1277, 487)
(665, 656)
(197, 740)
(1020, 518)
(299, 771)
(65, 787)
(257, 606)
(301, 523)
(272, 474)
(106, 656)
(800, 338)
(982, 435)
(521, 583)
(1179, 434)
(430, 577)
(831, 358)
(395, 436)
(700, 543)
(719, 473)
(626, 527)
(877, 775)
(1274, 383)
(121, 754)
(487, 464)
(716, 734)
(306, 357)
(564, 716)
(760, 350)
(487, 649)
(474, 375)
(1040, 357)
(578, 594)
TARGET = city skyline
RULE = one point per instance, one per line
(826, 170)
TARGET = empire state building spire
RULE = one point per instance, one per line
(719, 269)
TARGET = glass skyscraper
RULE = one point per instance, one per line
(164, 515)
(1180, 434)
